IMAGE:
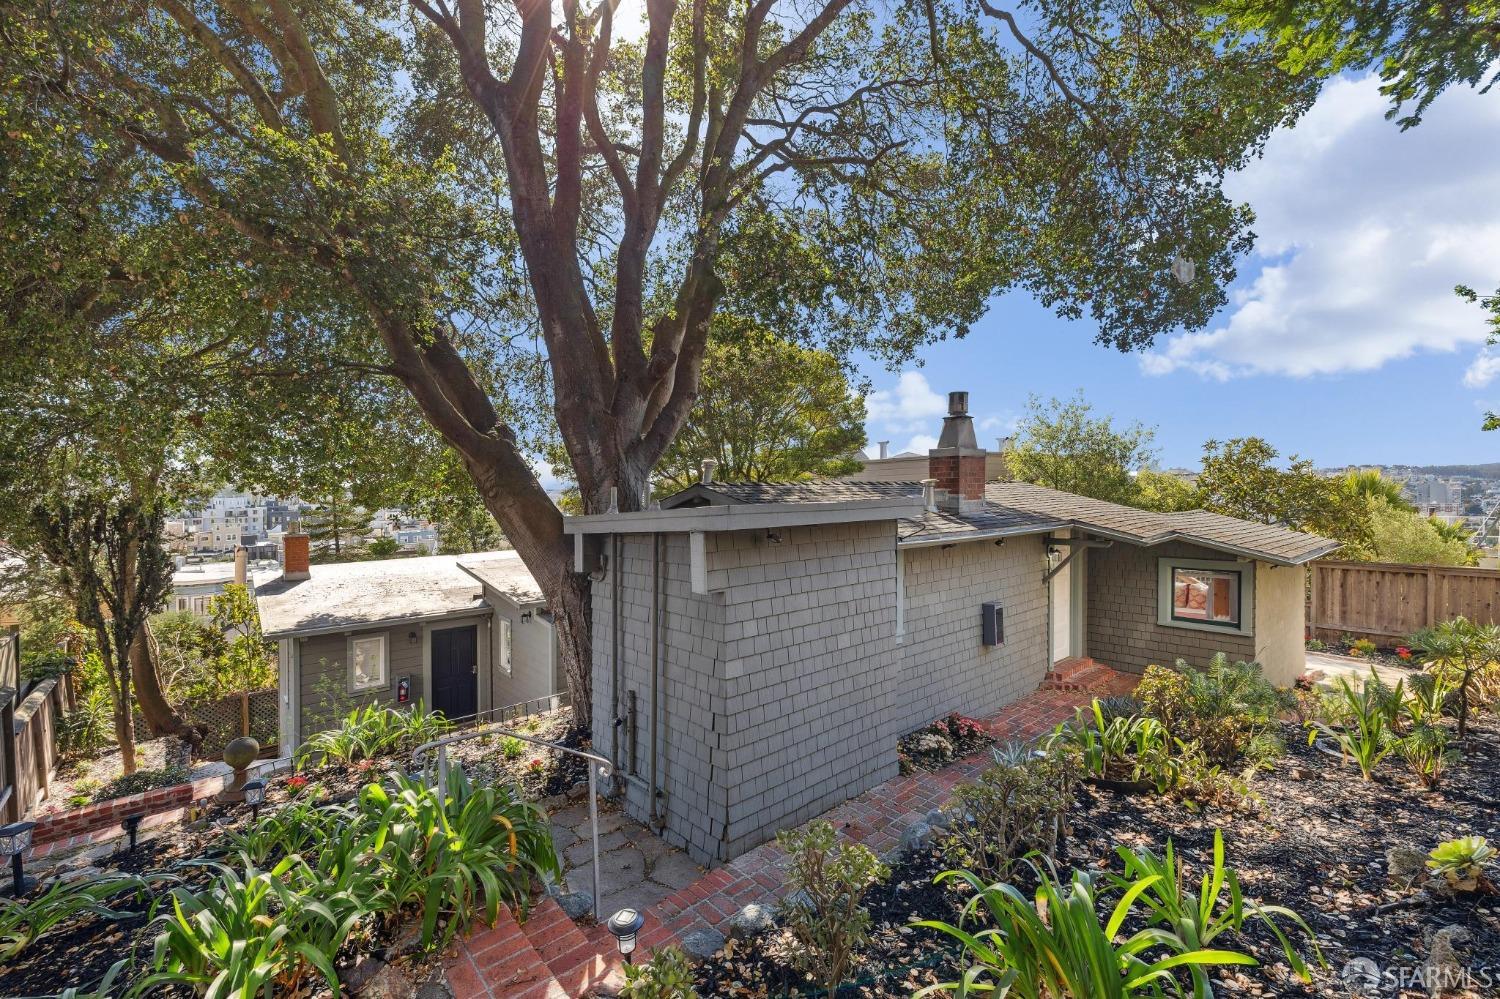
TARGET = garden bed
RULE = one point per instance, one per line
(934, 746)
(1317, 844)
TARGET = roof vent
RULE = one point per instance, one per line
(929, 495)
(706, 475)
(885, 450)
(958, 404)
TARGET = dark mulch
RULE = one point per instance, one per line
(1317, 845)
(899, 960)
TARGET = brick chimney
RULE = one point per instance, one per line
(294, 558)
(957, 463)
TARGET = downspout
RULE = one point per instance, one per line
(616, 718)
(655, 668)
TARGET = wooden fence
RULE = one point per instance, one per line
(1386, 603)
(28, 731)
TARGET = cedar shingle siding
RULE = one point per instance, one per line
(1122, 628)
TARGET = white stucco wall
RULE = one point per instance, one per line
(1280, 622)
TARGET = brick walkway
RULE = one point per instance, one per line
(550, 957)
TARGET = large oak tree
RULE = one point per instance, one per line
(512, 201)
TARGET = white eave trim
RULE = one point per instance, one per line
(481, 608)
(933, 540)
(744, 517)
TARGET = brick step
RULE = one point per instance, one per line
(580, 960)
(501, 961)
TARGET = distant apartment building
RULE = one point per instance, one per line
(1432, 494)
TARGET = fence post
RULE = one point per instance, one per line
(1312, 599)
(244, 712)
(1431, 617)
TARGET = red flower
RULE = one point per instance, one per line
(1403, 652)
(296, 783)
(536, 763)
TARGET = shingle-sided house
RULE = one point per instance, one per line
(463, 634)
(759, 648)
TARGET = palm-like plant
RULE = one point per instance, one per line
(1365, 734)
(24, 921)
(1463, 650)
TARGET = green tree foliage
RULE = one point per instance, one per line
(332, 525)
(1398, 535)
(1164, 492)
(1241, 478)
(515, 220)
(1063, 446)
(768, 410)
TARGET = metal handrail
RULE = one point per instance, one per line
(599, 767)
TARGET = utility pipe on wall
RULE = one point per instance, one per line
(616, 718)
(655, 665)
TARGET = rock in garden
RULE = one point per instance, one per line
(938, 819)
(1444, 968)
(389, 982)
(575, 904)
(578, 791)
(798, 899)
(752, 920)
(703, 944)
(1405, 864)
(918, 836)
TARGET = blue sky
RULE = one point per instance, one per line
(1343, 340)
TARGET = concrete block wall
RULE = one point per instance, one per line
(810, 671)
(945, 665)
(1122, 628)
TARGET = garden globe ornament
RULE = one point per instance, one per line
(1183, 269)
(623, 926)
(239, 754)
(15, 839)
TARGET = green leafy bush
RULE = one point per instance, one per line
(374, 730)
(1361, 647)
(1121, 748)
(825, 911)
(447, 853)
(89, 727)
(1426, 750)
(1463, 864)
(1013, 808)
(1464, 654)
(24, 921)
(1362, 729)
(1222, 707)
(1054, 945)
(668, 975)
(291, 829)
(512, 748)
(1428, 696)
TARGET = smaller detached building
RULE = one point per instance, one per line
(759, 648)
(464, 634)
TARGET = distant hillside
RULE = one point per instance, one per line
(1487, 471)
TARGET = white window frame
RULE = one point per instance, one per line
(1244, 570)
(381, 682)
(507, 646)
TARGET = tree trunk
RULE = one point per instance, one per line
(125, 734)
(573, 620)
(161, 718)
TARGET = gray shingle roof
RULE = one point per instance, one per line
(1013, 508)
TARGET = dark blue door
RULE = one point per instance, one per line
(455, 674)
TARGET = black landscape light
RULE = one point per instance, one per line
(132, 827)
(15, 839)
(255, 796)
(623, 926)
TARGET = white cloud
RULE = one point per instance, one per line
(1482, 371)
(912, 404)
(1363, 231)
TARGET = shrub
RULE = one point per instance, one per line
(1362, 647)
(512, 748)
(23, 921)
(445, 852)
(1221, 707)
(1013, 808)
(140, 782)
(1315, 645)
(1054, 945)
(1111, 748)
(374, 730)
(1120, 706)
(1426, 751)
(292, 829)
(828, 882)
(1363, 729)
(1428, 697)
(668, 975)
(1464, 653)
(1463, 864)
